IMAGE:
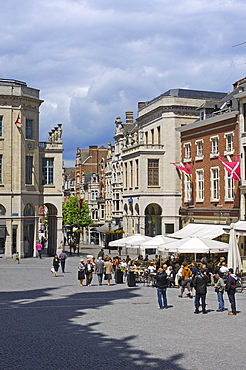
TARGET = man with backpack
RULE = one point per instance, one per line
(231, 290)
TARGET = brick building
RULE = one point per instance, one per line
(212, 196)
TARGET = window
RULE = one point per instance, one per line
(146, 138)
(214, 183)
(117, 202)
(1, 126)
(199, 185)
(187, 151)
(137, 170)
(229, 186)
(199, 149)
(126, 175)
(153, 172)
(214, 141)
(244, 116)
(29, 129)
(131, 175)
(102, 210)
(158, 135)
(152, 137)
(188, 189)
(47, 171)
(29, 166)
(229, 142)
(169, 228)
(1, 168)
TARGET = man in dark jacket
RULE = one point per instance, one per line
(161, 286)
(231, 290)
(200, 284)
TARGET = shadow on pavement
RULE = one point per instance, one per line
(39, 332)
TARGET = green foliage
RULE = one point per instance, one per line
(71, 215)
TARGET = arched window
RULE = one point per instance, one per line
(29, 210)
(2, 210)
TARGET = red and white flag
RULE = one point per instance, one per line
(187, 170)
(18, 120)
(233, 168)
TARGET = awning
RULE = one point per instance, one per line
(207, 231)
(240, 228)
(107, 227)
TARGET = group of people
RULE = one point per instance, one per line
(59, 261)
(197, 278)
(100, 267)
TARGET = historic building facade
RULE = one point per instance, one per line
(151, 189)
(210, 194)
(30, 173)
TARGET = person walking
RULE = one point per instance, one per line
(81, 271)
(219, 289)
(186, 279)
(99, 269)
(63, 257)
(108, 268)
(161, 286)
(56, 264)
(39, 248)
(200, 284)
(231, 290)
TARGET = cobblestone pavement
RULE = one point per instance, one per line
(49, 322)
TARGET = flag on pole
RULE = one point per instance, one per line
(187, 170)
(233, 168)
(18, 120)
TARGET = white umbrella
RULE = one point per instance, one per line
(137, 240)
(132, 239)
(156, 241)
(234, 259)
(194, 244)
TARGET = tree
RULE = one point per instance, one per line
(75, 212)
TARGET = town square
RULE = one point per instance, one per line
(53, 323)
(123, 184)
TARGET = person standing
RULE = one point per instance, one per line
(88, 271)
(63, 258)
(39, 248)
(56, 264)
(161, 286)
(219, 288)
(100, 254)
(200, 284)
(108, 267)
(231, 290)
(81, 272)
(99, 269)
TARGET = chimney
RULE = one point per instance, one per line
(129, 117)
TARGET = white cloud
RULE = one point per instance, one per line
(93, 60)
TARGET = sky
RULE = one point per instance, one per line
(93, 60)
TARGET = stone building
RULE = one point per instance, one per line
(30, 173)
(151, 188)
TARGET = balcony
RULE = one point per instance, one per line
(142, 147)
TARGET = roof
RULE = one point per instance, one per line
(207, 231)
(192, 94)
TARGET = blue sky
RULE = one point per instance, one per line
(95, 59)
